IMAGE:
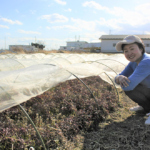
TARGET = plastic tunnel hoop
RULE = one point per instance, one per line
(17, 62)
(115, 72)
(107, 75)
(81, 82)
(112, 60)
(89, 88)
(33, 122)
(86, 87)
(23, 110)
(102, 64)
(113, 84)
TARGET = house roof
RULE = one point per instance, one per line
(120, 37)
(76, 42)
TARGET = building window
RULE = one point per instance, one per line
(114, 44)
(147, 45)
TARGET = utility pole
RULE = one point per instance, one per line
(109, 32)
(5, 43)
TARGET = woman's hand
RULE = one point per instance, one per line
(122, 80)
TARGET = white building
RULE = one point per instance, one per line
(27, 48)
(108, 42)
(80, 46)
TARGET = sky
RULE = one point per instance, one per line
(54, 22)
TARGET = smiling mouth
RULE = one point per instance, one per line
(131, 57)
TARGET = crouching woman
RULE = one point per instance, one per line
(135, 78)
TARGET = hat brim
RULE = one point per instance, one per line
(119, 44)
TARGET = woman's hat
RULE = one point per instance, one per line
(128, 40)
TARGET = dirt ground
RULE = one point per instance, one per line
(122, 130)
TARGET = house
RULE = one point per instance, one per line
(28, 48)
(93, 47)
(108, 42)
(81, 46)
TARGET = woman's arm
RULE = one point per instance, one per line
(122, 80)
(141, 72)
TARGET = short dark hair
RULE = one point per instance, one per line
(141, 46)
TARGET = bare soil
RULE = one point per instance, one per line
(122, 130)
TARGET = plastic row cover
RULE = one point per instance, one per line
(25, 76)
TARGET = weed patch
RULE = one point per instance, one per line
(61, 114)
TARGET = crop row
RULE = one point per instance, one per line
(60, 114)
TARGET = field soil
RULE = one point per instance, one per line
(122, 130)
(68, 118)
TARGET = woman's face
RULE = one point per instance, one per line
(132, 52)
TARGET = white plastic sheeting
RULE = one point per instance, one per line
(27, 75)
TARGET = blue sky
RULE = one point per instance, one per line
(53, 22)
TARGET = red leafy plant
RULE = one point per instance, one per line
(60, 113)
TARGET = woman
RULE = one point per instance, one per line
(135, 78)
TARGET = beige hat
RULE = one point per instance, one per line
(128, 40)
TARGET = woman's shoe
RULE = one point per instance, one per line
(147, 122)
(136, 108)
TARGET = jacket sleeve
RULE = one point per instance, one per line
(126, 72)
(139, 74)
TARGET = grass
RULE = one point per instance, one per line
(21, 51)
(122, 130)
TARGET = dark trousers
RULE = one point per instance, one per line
(140, 95)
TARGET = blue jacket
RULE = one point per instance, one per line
(138, 74)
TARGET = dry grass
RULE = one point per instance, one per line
(6, 52)
(122, 130)
(21, 51)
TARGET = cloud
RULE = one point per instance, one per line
(137, 17)
(95, 5)
(93, 37)
(28, 32)
(33, 11)
(143, 9)
(60, 2)
(3, 26)
(55, 18)
(82, 24)
(10, 21)
(70, 27)
(76, 25)
(111, 23)
(133, 18)
(69, 9)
